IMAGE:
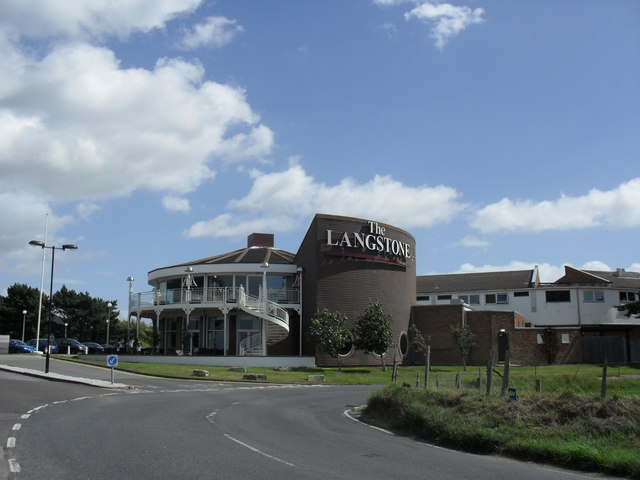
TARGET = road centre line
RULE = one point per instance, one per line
(253, 449)
(11, 442)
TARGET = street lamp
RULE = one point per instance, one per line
(65, 329)
(24, 318)
(130, 280)
(109, 305)
(265, 307)
(66, 246)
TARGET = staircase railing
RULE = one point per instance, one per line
(250, 343)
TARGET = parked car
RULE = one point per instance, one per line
(94, 347)
(72, 346)
(41, 345)
(18, 346)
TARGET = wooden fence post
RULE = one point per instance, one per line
(489, 371)
(427, 365)
(505, 375)
(603, 387)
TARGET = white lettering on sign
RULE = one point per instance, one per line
(374, 241)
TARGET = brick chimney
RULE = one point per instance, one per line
(260, 240)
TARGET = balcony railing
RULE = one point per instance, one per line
(205, 296)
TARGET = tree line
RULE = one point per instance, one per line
(85, 316)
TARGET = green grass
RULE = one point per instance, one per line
(583, 379)
(565, 429)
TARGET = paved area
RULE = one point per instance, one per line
(34, 366)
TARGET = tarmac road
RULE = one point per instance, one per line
(194, 429)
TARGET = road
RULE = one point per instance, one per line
(178, 429)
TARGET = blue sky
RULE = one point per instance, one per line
(502, 135)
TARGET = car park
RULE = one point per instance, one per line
(72, 346)
(41, 345)
(94, 347)
(18, 346)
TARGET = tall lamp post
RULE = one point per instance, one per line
(109, 305)
(130, 280)
(65, 329)
(67, 246)
(24, 319)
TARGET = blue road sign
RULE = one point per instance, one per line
(112, 360)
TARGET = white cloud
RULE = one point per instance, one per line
(296, 195)
(81, 19)
(75, 124)
(174, 203)
(617, 208)
(473, 242)
(447, 20)
(212, 32)
(23, 214)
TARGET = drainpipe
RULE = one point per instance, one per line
(578, 305)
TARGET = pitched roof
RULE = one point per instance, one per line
(246, 255)
(480, 281)
(618, 279)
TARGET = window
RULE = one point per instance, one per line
(558, 295)
(593, 296)
(470, 299)
(444, 297)
(215, 334)
(423, 298)
(170, 338)
(520, 294)
(627, 297)
(497, 298)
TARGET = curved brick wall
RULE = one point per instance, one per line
(345, 272)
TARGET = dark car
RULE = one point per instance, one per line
(18, 346)
(71, 345)
(42, 345)
(94, 347)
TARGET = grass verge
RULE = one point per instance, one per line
(567, 429)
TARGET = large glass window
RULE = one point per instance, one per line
(593, 296)
(470, 299)
(215, 335)
(170, 332)
(497, 298)
(558, 295)
(627, 297)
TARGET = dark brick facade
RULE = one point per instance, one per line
(435, 321)
(347, 279)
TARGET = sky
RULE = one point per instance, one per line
(501, 135)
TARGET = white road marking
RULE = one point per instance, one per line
(14, 466)
(253, 449)
(26, 415)
(17, 426)
(11, 442)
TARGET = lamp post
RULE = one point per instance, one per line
(130, 280)
(67, 246)
(109, 305)
(188, 282)
(265, 307)
(24, 319)
(65, 329)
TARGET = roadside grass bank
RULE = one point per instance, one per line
(623, 380)
(566, 429)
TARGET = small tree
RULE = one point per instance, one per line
(463, 336)
(329, 333)
(373, 331)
